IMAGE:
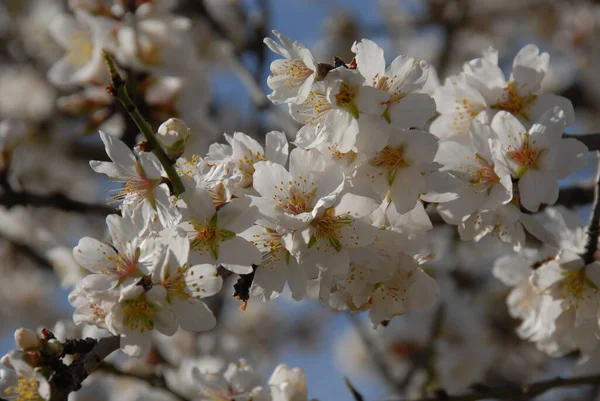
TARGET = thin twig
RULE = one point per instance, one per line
(528, 390)
(594, 226)
(355, 393)
(119, 90)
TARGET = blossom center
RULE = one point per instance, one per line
(485, 177)
(327, 229)
(345, 99)
(98, 313)
(207, 236)
(138, 315)
(527, 156)
(314, 108)
(149, 53)
(136, 187)
(514, 103)
(25, 390)
(465, 112)
(295, 69)
(574, 288)
(80, 49)
(381, 82)
(298, 201)
(246, 164)
(175, 284)
(127, 263)
(391, 159)
(271, 242)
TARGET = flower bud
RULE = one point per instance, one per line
(26, 339)
(54, 347)
(173, 135)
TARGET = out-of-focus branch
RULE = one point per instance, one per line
(575, 196)
(250, 80)
(259, 98)
(29, 252)
(592, 140)
(64, 383)
(526, 391)
(355, 393)
(593, 230)
(451, 28)
(375, 353)
(56, 201)
(261, 31)
(427, 360)
(470, 19)
(569, 197)
(153, 380)
(10, 198)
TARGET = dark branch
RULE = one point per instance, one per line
(591, 140)
(153, 380)
(10, 198)
(451, 28)
(56, 201)
(69, 380)
(29, 252)
(355, 393)
(569, 197)
(527, 390)
(375, 353)
(594, 226)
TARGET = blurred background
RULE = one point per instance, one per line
(50, 197)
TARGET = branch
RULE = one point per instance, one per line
(258, 96)
(575, 196)
(153, 380)
(29, 252)
(591, 140)
(376, 354)
(64, 383)
(593, 230)
(56, 201)
(451, 28)
(529, 390)
(10, 198)
(119, 90)
(570, 197)
(355, 393)
(430, 354)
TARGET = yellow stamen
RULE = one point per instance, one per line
(25, 390)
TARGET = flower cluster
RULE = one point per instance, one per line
(145, 38)
(345, 209)
(240, 381)
(388, 193)
(503, 140)
(555, 291)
